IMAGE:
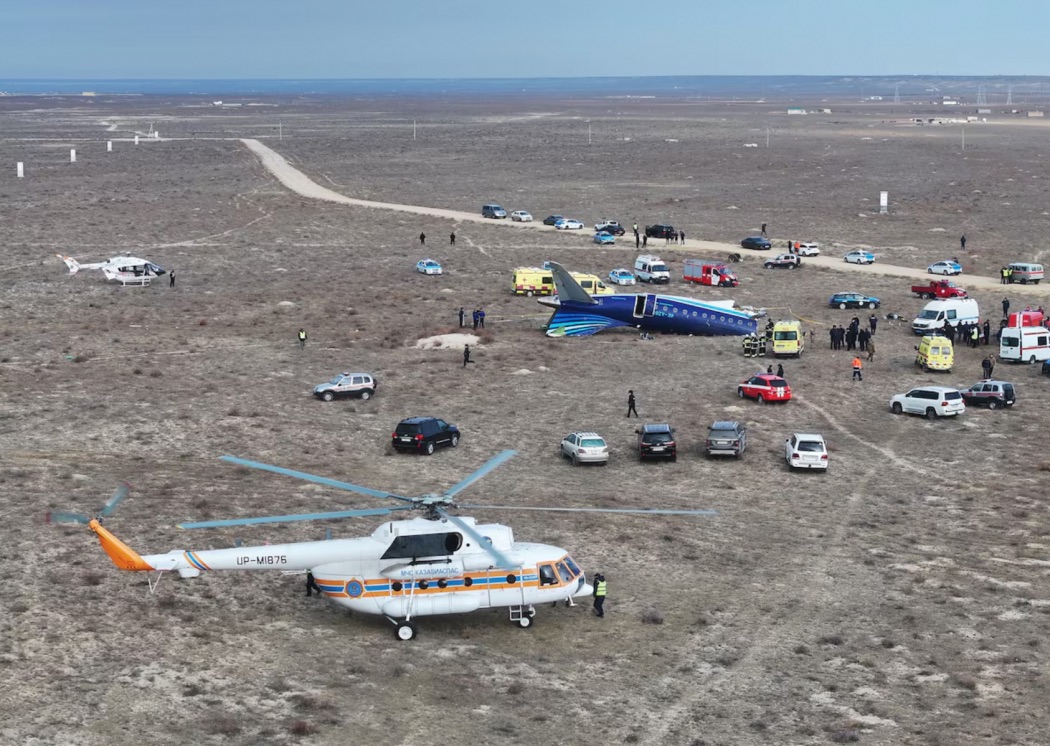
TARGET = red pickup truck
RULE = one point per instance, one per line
(939, 289)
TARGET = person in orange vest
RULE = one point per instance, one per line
(858, 369)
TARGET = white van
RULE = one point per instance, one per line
(651, 268)
(1025, 343)
(1025, 272)
(953, 310)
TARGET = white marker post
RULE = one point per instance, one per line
(72, 155)
(19, 170)
(884, 202)
(109, 146)
(136, 139)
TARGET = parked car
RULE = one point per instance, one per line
(493, 211)
(661, 231)
(585, 448)
(991, 394)
(657, 441)
(853, 300)
(568, 224)
(521, 216)
(932, 401)
(756, 242)
(552, 219)
(859, 257)
(764, 388)
(938, 289)
(806, 451)
(362, 385)
(946, 267)
(725, 438)
(428, 267)
(807, 248)
(783, 261)
(622, 277)
(1025, 272)
(604, 239)
(424, 435)
(610, 226)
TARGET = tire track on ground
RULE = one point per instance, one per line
(814, 586)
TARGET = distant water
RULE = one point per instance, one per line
(693, 87)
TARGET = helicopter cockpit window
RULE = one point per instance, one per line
(576, 572)
(563, 571)
(424, 545)
(547, 576)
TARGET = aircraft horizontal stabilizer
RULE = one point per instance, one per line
(72, 263)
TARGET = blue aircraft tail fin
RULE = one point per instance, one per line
(567, 287)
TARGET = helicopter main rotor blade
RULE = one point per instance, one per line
(313, 478)
(294, 518)
(488, 466)
(66, 518)
(486, 544)
(630, 511)
(113, 502)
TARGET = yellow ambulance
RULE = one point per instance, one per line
(788, 339)
(935, 353)
(538, 281)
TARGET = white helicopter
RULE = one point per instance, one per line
(435, 564)
(127, 270)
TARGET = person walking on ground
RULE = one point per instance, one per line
(645, 241)
(1006, 307)
(975, 336)
(171, 279)
(780, 370)
(681, 237)
(863, 337)
(667, 238)
(311, 585)
(635, 226)
(474, 318)
(600, 589)
(873, 322)
(858, 369)
(987, 331)
(986, 369)
(461, 315)
(871, 350)
(962, 243)
(637, 239)
(302, 338)
(481, 317)
(1003, 274)
(769, 369)
(423, 239)
(763, 229)
(991, 365)
(466, 356)
(832, 334)
(452, 238)
(630, 403)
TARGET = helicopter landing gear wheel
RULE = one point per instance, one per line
(405, 631)
(525, 622)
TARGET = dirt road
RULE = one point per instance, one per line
(301, 184)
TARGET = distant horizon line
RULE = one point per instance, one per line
(536, 77)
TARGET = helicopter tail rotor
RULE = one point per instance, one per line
(104, 512)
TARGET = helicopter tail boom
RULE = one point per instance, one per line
(122, 555)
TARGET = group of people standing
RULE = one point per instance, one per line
(477, 317)
(966, 332)
(853, 337)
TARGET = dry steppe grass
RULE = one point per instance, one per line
(900, 598)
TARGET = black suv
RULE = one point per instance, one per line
(726, 438)
(657, 441)
(661, 231)
(424, 434)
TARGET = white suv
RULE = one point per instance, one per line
(808, 248)
(806, 451)
(932, 401)
(521, 216)
(585, 448)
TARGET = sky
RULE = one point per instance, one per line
(100, 39)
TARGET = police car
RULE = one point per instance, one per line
(362, 385)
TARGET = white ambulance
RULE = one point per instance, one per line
(1024, 343)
